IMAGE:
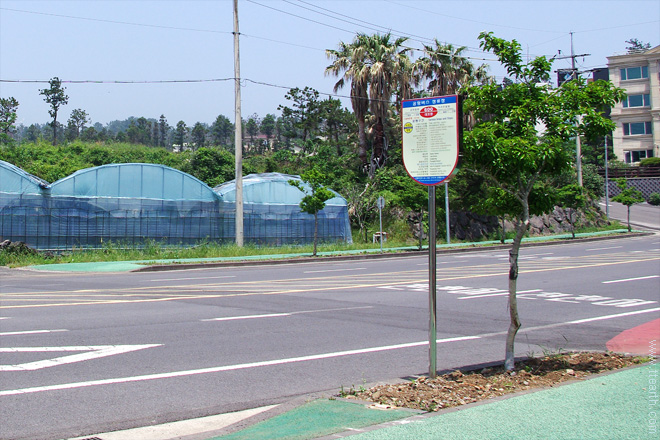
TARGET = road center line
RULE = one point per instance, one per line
(631, 279)
(299, 359)
(499, 294)
(193, 278)
(335, 270)
(277, 315)
(32, 332)
(604, 248)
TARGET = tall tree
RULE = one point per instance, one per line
(55, 96)
(8, 107)
(252, 127)
(77, 120)
(180, 134)
(268, 127)
(447, 70)
(379, 67)
(163, 130)
(348, 62)
(515, 156)
(198, 135)
(222, 130)
(304, 110)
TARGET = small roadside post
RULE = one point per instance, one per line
(381, 204)
(432, 134)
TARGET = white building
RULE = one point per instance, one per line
(637, 118)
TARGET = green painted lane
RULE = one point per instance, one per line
(316, 419)
(620, 406)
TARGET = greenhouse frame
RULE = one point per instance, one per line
(132, 204)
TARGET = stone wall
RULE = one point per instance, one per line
(469, 226)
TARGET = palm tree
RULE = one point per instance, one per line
(447, 69)
(448, 72)
(376, 67)
(347, 60)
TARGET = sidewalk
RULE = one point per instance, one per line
(190, 263)
(615, 406)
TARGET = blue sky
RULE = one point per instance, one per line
(282, 45)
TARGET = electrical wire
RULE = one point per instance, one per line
(127, 23)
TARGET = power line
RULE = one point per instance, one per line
(115, 21)
(467, 19)
(361, 22)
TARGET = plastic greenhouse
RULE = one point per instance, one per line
(133, 203)
(271, 212)
(23, 209)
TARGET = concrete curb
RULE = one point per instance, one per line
(473, 247)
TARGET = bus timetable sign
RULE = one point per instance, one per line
(431, 138)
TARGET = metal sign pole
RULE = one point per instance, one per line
(381, 204)
(447, 212)
(432, 291)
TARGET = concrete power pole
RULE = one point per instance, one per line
(578, 145)
(238, 133)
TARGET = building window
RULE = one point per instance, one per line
(636, 128)
(634, 73)
(643, 100)
(637, 155)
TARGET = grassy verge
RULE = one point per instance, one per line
(155, 251)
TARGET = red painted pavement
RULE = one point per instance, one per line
(643, 339)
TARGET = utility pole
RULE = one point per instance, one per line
(578, 145)
(238, 133)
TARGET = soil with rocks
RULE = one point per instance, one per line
(459, 388)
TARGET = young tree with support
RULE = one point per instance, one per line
(627, 196)
(315, 196)
(518, 141)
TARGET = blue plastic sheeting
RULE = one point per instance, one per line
(133, 180)
(272, 216)
(134, 203)
(14, 180)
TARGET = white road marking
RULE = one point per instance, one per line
(498, 294)
(292, 360)
(91, 352)
(32, 332)
(604, 248)
(335, 270)
(277, 315)
(193, 278)
(184, 373)
(631, 279)
(4, 317)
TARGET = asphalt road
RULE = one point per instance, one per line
(642, 215)
(88, 353)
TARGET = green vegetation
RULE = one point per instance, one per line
(627, 196)
(356, 153)
(650, 162)
(654, 199)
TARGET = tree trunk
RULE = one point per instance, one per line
(509, 360)
(316, 229)
(503, 239)
(629, 228)
(362, 140)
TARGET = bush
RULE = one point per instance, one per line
(654, 199)
(650, 162)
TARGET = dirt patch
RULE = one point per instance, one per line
(458, 388)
